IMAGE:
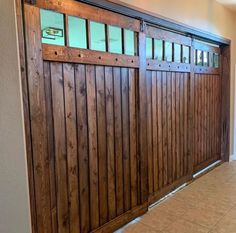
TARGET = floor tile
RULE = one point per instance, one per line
(182, 226)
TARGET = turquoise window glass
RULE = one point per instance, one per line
(177, 53)
(97, 36)
(77, 32)
(52, 27)
(158, 50)
(168, 51)
(205, 58)
(199, 57)
(216, 60)
(149, 48)
(129, 38)
(210, 59)
(115, 39)
(186, 54)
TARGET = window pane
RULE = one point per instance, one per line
(168, 51)
(149, 48)
(129, 42)
(199, 60)
(115, 39)
(177, 53)
(52, 27)
(98, 38)
(77, 32)
(186, 54)
(205, 59)
(216, 60)
(158, 52)
(211, 59)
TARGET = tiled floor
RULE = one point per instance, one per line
(208, 205)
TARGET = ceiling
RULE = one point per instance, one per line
(231, 4)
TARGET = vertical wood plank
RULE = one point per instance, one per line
(60, 146)
(178, 160)
(154, 131)
(93, 147)
(83, 155)
(164, 128)
(225, 102)
(169, 128)
(149, 131)
(133, 136)
(142, 95)
(110, 142)
(181, 125)
(38, 118)
(118, 140)
(186, 119)
(102, 144)
(125, 137)
(25, 99)
(71, 140)
(173, 134)
(50, 139)
(160, 139)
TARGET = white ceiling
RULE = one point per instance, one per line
(231, 4)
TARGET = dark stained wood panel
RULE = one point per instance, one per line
(110, 134)
(167, 95)
(207, 102)
(91, 115)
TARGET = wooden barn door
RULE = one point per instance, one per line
(207, 105)
(87, 118)
(118, 114)
(168, 92)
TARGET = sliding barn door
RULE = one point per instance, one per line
(207, 105)
(168, 89)
(86, 117)
(118, 114)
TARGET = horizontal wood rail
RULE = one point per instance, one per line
(85, 56)
(168, 66)
(205, 47)
(206, 70)
(161, 34)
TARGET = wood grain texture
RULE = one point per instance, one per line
(38, 118)
(108, 134)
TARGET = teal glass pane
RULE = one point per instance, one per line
(149, 48)
(177, 53)
(205, 59)
(199, 57)
(168, 51)
(210, 59)
(115, 39)
(97, 36)
(130, 44)
(52, 27)
(77, 32)
(186, 54)
(216, 60)
(158, 49)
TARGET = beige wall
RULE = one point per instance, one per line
(14, 198)
(206, 15)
